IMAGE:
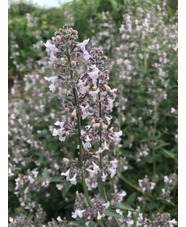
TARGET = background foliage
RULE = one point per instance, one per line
(32, 109)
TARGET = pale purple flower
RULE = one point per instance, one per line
(100, 150)
(73, 180)
(94, 74)
(78, 213)
(52, 57)
(58, 123)
(82, 90)
(50, 47)
(103, 177)
(112, 172)
(87, 144)
(92, 172)
(52, 87)
(84, 111)
(82, 45)
(114, 163)
(113, 90)
(119, 211)
(106, 205)
(55, 132)
(166, 179)
(94, 94)
(86, 55)
(105, 146)
(108, 119)
(66, 174)
(99, 216)
(52, 80)
(81, 87)
(172, 222)
(59, 133)
(59, 219)
(110, 104)
(95, 167)
(122, 195)
(130, 222)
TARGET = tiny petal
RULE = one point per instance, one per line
(73, 180)
(119, 211)
(52, 87)
(51, 79)
(99, 216)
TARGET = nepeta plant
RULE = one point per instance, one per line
(89, 103)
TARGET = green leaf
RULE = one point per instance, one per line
(168, 154)
(100, 185)
(169, 10)
(166, 202)
(123, 206)
(161, 145)
(10, 186)
(114, 4)
(66, 188)
(73, 223)
(131, 198)
(112, 213)
(57, 179)
(46, 173)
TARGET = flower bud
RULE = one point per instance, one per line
(105, 57)
(74, 113)
(73, 63)
(66, 109)
(101, 121)
(93, 121)
(88, 217)
(111, 129)
(97, 125)
(78, 147)
(58, 38)
(50, 64)
(107, 87)
(95, 87)
(103, 215)
(67, 133)
(96, 156)
(65, 160)
(77, 193)
(87, 87)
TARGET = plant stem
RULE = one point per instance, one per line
(154, 134)
(100, 144)
(133, 186)
(76, 99)
(119, 126)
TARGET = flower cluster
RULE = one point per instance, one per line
(77, 110)
(170, 183)
(93, 103)
(146, 185)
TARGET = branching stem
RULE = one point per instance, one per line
(76, 99)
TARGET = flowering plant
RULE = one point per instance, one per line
(67, 164)
(88, 107)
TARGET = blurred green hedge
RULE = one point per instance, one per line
(50, 19)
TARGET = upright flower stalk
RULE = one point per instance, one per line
(88, 110)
